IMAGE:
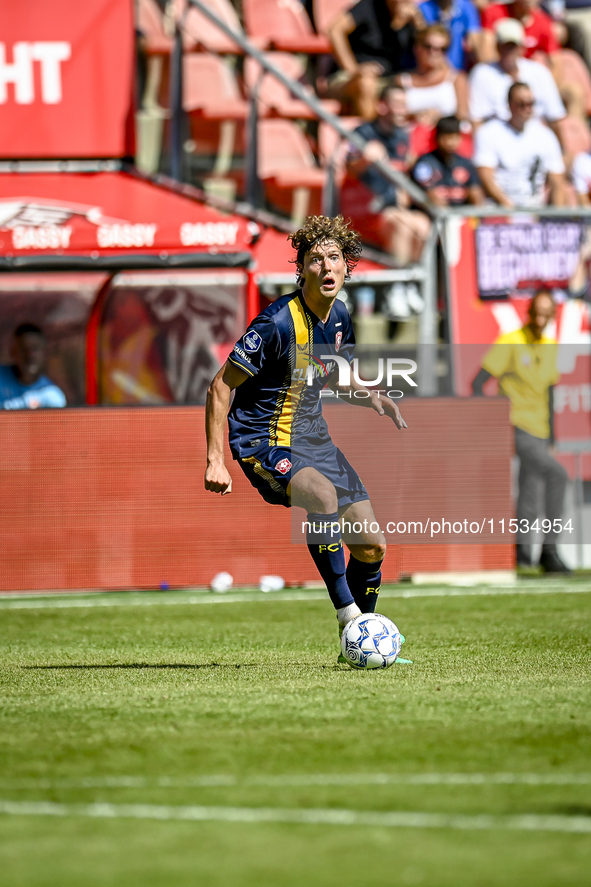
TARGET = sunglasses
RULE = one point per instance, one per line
(524, 104)
(432, 47)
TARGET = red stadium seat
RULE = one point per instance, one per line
(150, 22)
(293, 181)
(274, 97)
(211, 89)
(325, 12)
(151, 115)
(216, 109)
(282, 24)
(200, 33)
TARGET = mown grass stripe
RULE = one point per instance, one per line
(310, 816)
(165, 599)
(302, 780)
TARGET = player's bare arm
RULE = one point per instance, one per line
(384, 406)
(219, 394)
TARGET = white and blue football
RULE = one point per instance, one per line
(370, 641)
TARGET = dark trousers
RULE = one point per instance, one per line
(538, 470)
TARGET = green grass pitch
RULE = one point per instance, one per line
(161, 740)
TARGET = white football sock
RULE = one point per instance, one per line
(345, 614)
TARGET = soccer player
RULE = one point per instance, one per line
(277, 432)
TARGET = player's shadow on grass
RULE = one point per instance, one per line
(137, 665)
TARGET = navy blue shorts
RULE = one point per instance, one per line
(270, 472)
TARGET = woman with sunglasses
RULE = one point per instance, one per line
(434, 89)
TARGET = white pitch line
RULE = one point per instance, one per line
(157, 600)
(258, 597)
(310, 816)
(302, 780)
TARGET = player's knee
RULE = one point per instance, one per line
(325, 501)
(374, 552)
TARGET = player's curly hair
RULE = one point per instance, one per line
(320, 228)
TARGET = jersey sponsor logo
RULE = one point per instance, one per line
(252, 341)
(460, 175)
(242, 354)
(283, 466)
(338, 339)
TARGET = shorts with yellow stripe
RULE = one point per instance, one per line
(270, 471)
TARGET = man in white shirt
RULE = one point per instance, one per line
(518, 157)
(581, 177)
(490, 82)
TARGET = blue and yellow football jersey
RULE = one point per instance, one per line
(282, 352)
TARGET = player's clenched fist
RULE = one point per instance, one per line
(217, 479)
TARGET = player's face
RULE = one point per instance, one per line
(28, 353)
(323, 270)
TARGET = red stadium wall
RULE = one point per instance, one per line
(114, 498)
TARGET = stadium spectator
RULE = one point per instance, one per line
(449, 180)
(578, 23)
(371, 41)
(490, 81)
(515, 158)
(270, 406)
(540, 41)
(22, 384)
(434, 89)
(462, 20)
(524, 362)
(581, 178)
(538, 27)
(378, 209)
(555, 10)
